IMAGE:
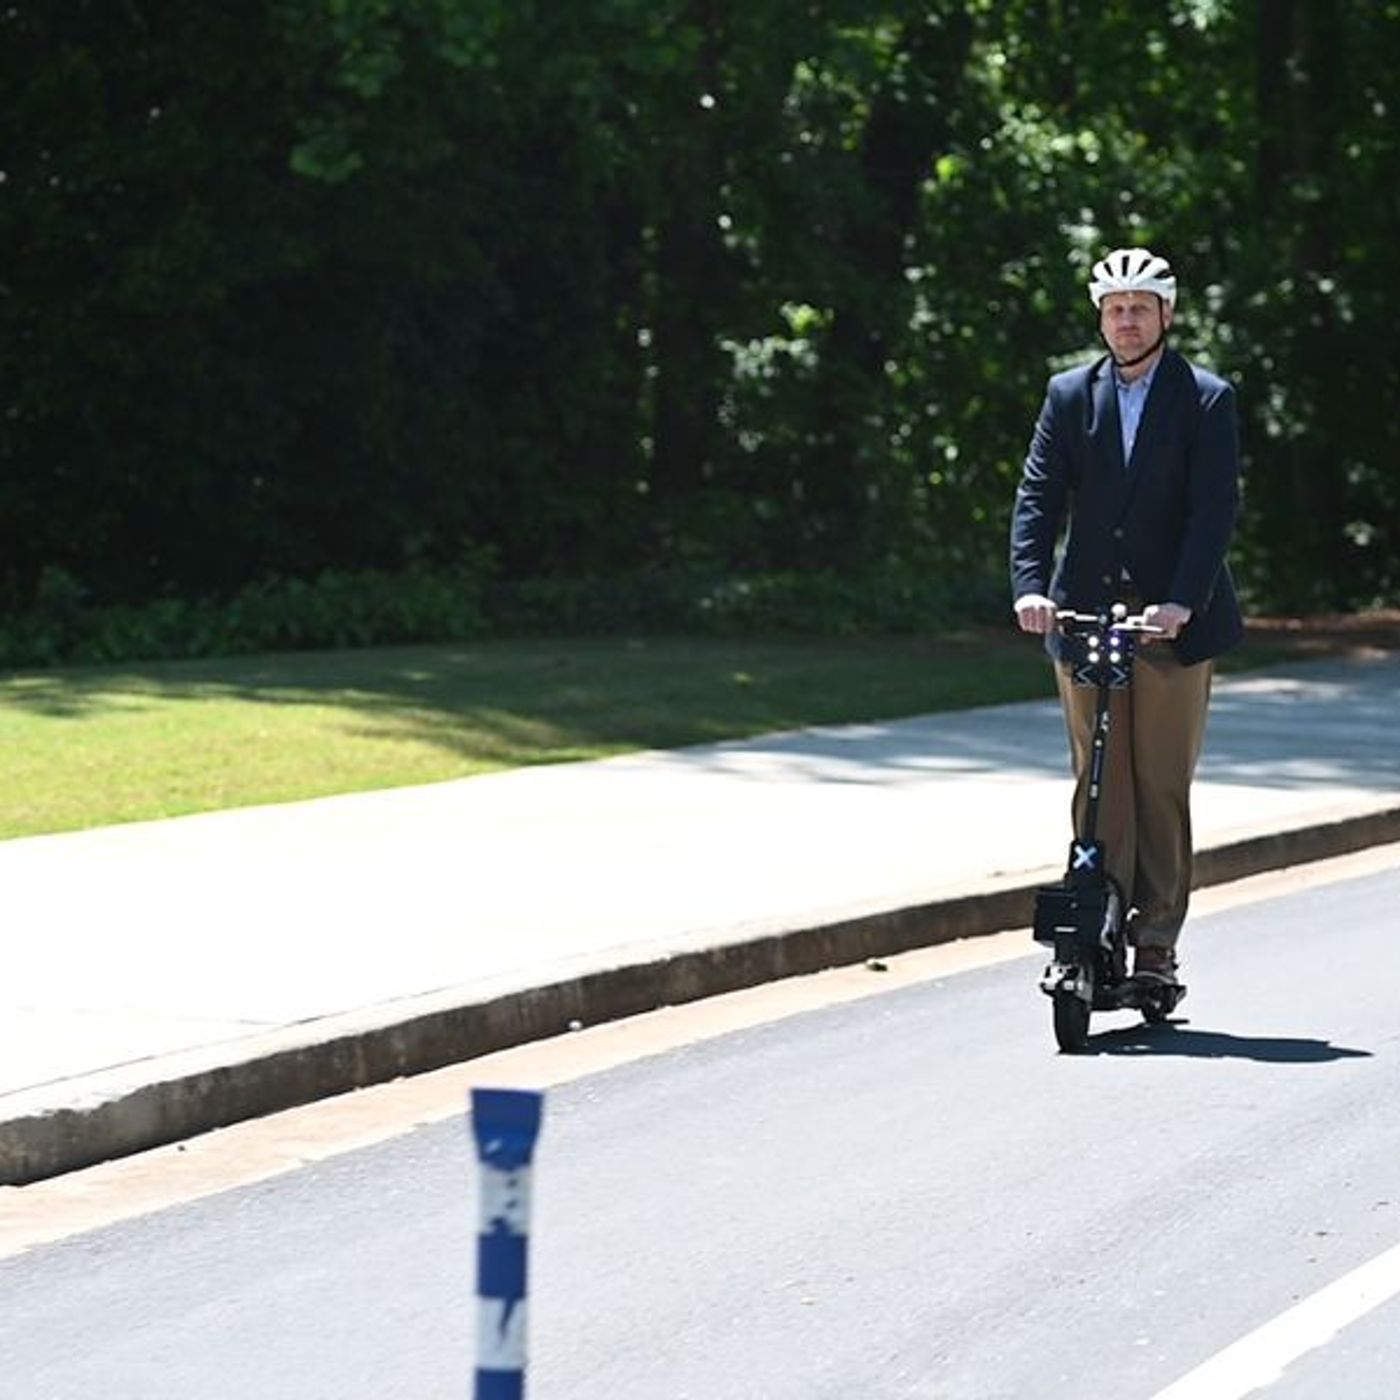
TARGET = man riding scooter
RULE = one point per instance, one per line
(1139, 453)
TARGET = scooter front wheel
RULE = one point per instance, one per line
(1071, 1021)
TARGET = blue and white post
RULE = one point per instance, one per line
(505, 1123)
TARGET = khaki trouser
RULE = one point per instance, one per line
(1144, 822)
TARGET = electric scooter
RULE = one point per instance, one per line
(1083, 917)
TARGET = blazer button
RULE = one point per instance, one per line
(1108, 578)
(1118, 534)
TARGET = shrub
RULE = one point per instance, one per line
(424, 603)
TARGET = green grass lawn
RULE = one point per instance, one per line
(89, 747)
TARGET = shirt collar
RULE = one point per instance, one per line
(1143, 382)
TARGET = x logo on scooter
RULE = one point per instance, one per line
(1085, 857)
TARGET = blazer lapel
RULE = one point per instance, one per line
(1161, 400)
(1105, 431)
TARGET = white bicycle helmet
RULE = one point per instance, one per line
(1133, 270)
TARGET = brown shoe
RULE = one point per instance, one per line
(1156, 963)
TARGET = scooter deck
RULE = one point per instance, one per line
(1147, 994)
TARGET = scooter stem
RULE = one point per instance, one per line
(1096, 764)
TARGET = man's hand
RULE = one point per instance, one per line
(1168, 618)
(1035, 613)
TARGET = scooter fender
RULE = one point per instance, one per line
(1070, 971)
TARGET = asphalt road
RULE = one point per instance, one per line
(907, 1196)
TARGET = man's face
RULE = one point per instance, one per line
(1131, 321)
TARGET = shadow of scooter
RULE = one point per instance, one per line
(1169, 1038)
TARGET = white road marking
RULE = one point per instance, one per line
(1260, 1358)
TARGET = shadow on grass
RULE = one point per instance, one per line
(505, 704)
(543, 701)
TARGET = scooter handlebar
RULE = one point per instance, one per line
(1069, 621)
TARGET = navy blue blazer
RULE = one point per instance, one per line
(1167, 517)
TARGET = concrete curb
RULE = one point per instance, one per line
(106, 1115)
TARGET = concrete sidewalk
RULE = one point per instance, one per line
(164, 978)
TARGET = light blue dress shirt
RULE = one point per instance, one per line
(1132, 398)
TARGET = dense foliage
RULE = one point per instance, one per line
(309, 289)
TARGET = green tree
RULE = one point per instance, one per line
(632, 285)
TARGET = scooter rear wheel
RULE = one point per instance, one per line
(1071, 1021)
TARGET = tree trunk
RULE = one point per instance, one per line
(848, 490)
(1303, 496)
(691, 272)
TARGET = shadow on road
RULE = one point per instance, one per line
(1173, 1039)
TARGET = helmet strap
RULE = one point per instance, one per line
(1137, 359)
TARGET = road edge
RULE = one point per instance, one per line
(104, 1116)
